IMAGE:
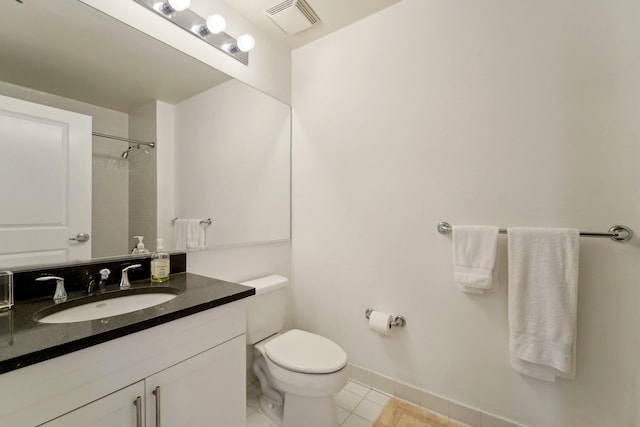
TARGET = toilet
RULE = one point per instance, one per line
(299, 372)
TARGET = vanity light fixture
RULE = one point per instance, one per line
(215, 24)
(209, 30)
(246, 42)
(179, 5)
(168, 8)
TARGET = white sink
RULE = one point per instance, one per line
(105, 305)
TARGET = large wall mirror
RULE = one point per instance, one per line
(64, 62)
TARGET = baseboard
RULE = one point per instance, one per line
(451, 409)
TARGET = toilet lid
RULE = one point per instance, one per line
(305, 352)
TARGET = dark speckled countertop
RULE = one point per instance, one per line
(24, 341)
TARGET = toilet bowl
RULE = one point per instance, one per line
(299, 372)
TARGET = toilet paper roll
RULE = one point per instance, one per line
(380, 322)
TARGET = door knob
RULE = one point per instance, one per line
(81, 237)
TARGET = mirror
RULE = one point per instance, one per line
(228, 144)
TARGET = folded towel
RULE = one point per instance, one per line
(475, 260)
(543, 301)
(193, 234)
(180, 230)
(190, 235)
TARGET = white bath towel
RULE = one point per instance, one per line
(193, 234)
(180, 231)
(190, 235)
(475, 259)
(543, 301)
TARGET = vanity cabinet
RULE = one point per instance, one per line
(191, 393)
(198, 390)
(117, 409)
(196, 362)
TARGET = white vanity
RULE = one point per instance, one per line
(189, 371)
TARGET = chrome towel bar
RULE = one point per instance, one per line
(617, 233)
(204, 221)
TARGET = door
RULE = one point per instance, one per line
(124, 408)
(45, 183)
(203, 391)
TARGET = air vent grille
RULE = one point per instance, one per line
(293, 16)
(279, 7)
(308, 12)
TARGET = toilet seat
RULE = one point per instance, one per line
(304, 352)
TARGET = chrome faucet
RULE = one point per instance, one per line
(61, 294)
(102, 282)
(124, 282)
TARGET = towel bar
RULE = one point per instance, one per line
(204, 221)
(617, 233)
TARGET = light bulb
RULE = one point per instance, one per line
(216, 24)
(246, 42)
(179, 5)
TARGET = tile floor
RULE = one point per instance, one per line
(358, 406)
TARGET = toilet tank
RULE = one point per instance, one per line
(267, 308)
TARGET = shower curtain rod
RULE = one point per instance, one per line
(119, 138)
(618, 233)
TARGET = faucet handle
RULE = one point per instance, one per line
(131, 267)
(104, 273)
(61, 293)
(124, 281)
(45, 278)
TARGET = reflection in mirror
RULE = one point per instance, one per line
(233, 159)
(94, 65)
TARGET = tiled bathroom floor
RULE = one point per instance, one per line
(358, 406)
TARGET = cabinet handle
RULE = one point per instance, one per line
(156, 393)
(138, 404)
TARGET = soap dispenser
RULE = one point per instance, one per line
(139, 249)
(160, 267)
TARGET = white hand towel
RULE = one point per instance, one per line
(543, 301)
(190, 235)
(180, 230)
(475, 260)
(193, 234)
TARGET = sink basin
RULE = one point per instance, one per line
(108, 304)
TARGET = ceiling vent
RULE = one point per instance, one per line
(293, 16)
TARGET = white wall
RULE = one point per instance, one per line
(233, 164)
(493, 112)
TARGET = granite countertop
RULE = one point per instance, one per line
(25, 341)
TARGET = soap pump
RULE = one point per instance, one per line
(139, 249)
(160, 267)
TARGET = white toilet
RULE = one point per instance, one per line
(299, 372)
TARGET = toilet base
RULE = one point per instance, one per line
(303, 411)
(271, 409)
(309, 411)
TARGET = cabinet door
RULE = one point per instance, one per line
(123, 408)
(206, 390)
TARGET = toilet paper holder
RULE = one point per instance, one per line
(398, 320)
